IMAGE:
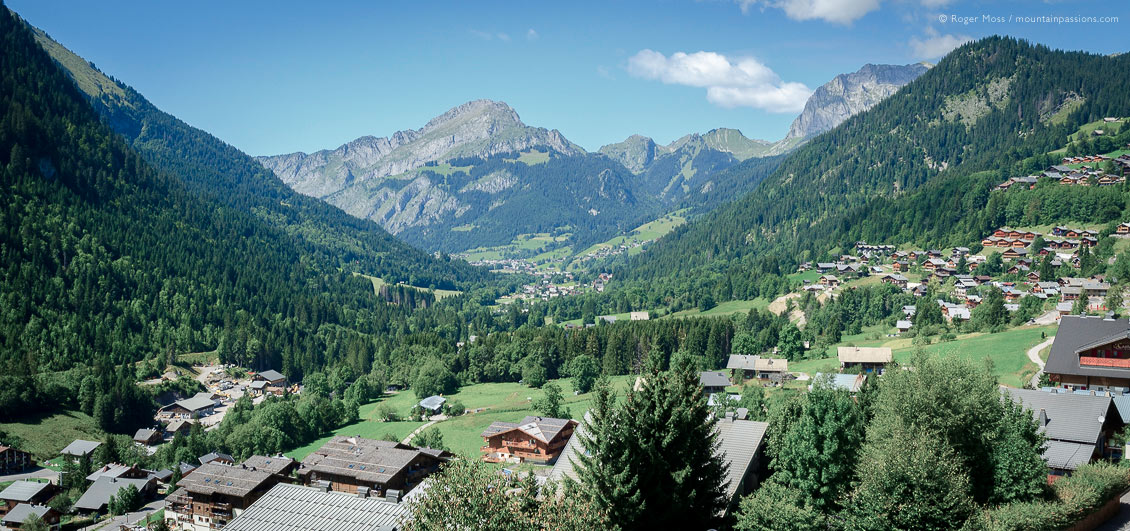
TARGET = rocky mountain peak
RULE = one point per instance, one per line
(849, 94)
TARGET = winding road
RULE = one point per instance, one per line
(1034, 355)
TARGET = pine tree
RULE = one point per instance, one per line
(604, 467)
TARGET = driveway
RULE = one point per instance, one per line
(129, 518)
(33, 473)
(1121, 521)
(1034, 355)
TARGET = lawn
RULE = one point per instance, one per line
(1007, 350)
(45, 435)
(488, 402)
(650, 231)
(531, 157)
(440, 294)
(725, 308)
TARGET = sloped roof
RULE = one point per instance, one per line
(1068, 455)
(848, 382)
(296, 508)
(22, 491)
(144, 434)
(213, 456)
(98, 494)
(1077, 331)
(80, 448)
(1071, 417)
(212, 478)
(713, 379)
(274, 465)
(22, 511)
(864, 354)
(433, 402)
(739, 441)
(772, 364)
(544, 429)
(112, 470)
(272, 375)
(367, 460)
(742, 361)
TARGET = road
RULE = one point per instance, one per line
(431, 420)
(1121, 521)
(34, 473)
(1034, 355)
(117, 521)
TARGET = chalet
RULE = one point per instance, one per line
(972, 301)
(534, 439)
(1078, 428)
(357, 465)
(741, 442)
(913, 255)
(148, 437)
(1001, 233)
(179, 426)
(850, 270)
(868, 359)
(713, 382)
(217, 457)
(897, 280)
(900, 267)
(639, 316)
(909, 311)
(13, 460)
(15, 518)
(79, 449)
(97, 496)
(1070, 293)
(25, 492)
(1091, 353)
(829, 281)
(200, 405)
(903, 325)
(1123, 228)
(214, 493)
(933, 264)
(433, 403)
(1014, 253)
(118, 471)
(744, 366)
(299, 508)
(272, 377)
(824, 267)
(1095, 288)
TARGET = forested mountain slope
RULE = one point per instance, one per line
(111, 268)
(322, 233)
(998, 104)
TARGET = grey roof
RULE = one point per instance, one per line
(274, 465)
(258, 384)
(1076, 331)
(98, 494)
(739, 441)
(22, 491)
(713, 379)
(112, 470)
(212, 456)
(1068, 455)
(742, 361)
(433, 402)
(367, 460)
(903, 323)
(79, 448)
(198, 402)
(272, 375)
(234, 481)
(22, 511)
(144, 434)
(543, 428)
(1071, 417)
(162, 475)
(848, 382)
(296, 508)
(1122, 404)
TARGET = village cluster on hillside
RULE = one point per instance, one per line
(1089, 172)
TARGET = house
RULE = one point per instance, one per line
(900, 267)
(851, 383)
(217, 457)
(933, 264)
(200, 405)
(272, 377)
(298, 508)
(213, 494)
(1095, 288)
(79, 449)
(118, 471)
(897, 280)
(1014, 253)
(868, 359)
(258, 387)
(713, 382)
(537, 440)
(148, 437)
(356, 465)
(1123, 228)
(433, 403)
(824, 267)
(13, 460)
(1091, 353)
(829, 281)
(639, 316)
(25, 492)
(98, 494)
(179, 426)
(1078, 427)
(903, 325)
(15, 518)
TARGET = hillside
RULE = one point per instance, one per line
(850, 94)
(908, 166)
(322, 234)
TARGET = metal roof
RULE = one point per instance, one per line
(848, 382)
(271, 375)
(80, 448)
(22, 511)
(713, 379)
(22, 491)
(98, 495)
(1068, 455)
(1071, 417)
(296, 508)
(433, 402)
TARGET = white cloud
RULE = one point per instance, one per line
(836, 11)
(532, 35)
(935, 46)
(503, 37)
(741, 82)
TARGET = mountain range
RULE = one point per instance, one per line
(478, 176)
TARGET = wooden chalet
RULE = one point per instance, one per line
(14, 460)
(358, 465)
(214, 494)
(1091, 353)
(868, 359)
(26, 492)
(534, 439)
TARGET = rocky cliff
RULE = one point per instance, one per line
(850, 94)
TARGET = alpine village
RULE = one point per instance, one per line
(910, 313)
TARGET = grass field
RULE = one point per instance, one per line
(524, 245)
(652, 230)
(44, 436)
(439, 293)
(531, 157)
(1007, 350)
(489, 402)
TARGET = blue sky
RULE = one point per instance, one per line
(276, 77)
